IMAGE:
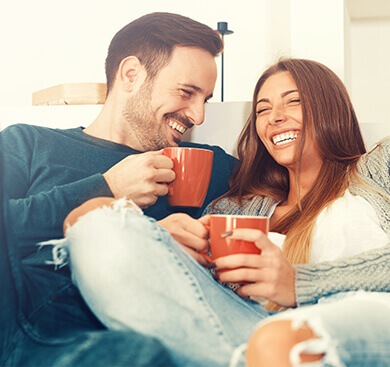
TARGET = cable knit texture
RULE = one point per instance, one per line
(369, 271)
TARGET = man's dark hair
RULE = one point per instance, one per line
(152, 39)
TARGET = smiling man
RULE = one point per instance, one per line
(160, 72)
(156, 112)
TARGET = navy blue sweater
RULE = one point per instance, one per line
(49, 172)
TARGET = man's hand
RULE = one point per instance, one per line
(189, 232)
(141, 177)
(268, 275)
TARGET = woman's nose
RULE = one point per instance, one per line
(277, 116)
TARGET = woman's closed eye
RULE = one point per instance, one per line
(294, 101)
(262, 110)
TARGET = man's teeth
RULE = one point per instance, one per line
(284, 138)
(174, 125)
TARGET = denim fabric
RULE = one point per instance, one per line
(100, 349)
(134, 275)
(352, 329)
(63, 331)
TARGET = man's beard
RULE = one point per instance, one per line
(142, 122)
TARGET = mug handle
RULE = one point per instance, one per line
(206, 257)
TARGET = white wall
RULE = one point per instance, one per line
(49, 42)
(370, 85)
(317, 32)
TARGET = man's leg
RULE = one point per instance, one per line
(97, 349)
(134, 275)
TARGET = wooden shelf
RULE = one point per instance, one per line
(71, 94)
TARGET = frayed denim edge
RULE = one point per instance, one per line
(60, 250)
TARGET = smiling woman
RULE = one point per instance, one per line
(292, 150)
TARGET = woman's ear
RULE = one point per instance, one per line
(131, 73)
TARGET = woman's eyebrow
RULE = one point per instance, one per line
(284, 94)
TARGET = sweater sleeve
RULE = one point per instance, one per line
(38, 216)
(369, 271)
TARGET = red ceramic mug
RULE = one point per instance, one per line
(220, 227)
(193, 167)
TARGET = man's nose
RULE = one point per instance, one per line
(196, 112)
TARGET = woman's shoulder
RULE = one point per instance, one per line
(224, 205)
(256, 205)
(374, 166)
(379, 153)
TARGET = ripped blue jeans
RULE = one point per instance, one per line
(133, 274)
(352, 329)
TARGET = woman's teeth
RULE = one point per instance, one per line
(284, 138)
(174, 125)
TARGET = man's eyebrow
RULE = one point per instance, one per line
(284, 94)
(195, 88)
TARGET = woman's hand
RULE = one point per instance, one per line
(268, 275)
(190, 233)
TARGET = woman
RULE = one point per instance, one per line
(291, 171)
(302, 164)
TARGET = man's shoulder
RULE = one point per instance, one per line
(20, 129)
(219, 152)
(33, 130)
(19, 134)
(28, 133)
(191, 144)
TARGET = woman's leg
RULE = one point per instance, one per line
(132, 274)
(271, 344)
(351, 331)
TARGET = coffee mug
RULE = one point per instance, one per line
(193, 167)
(221, 227)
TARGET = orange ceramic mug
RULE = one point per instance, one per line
(193, 167)
(222, 225)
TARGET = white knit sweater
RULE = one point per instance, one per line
(368, 271)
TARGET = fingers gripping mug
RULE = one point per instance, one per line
(222, 225)
(193, 168)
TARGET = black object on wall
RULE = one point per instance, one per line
(223, 30)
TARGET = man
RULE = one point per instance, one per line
(160, 72)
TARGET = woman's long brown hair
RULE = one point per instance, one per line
(328, 118)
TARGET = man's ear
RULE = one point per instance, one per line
(131, 73)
